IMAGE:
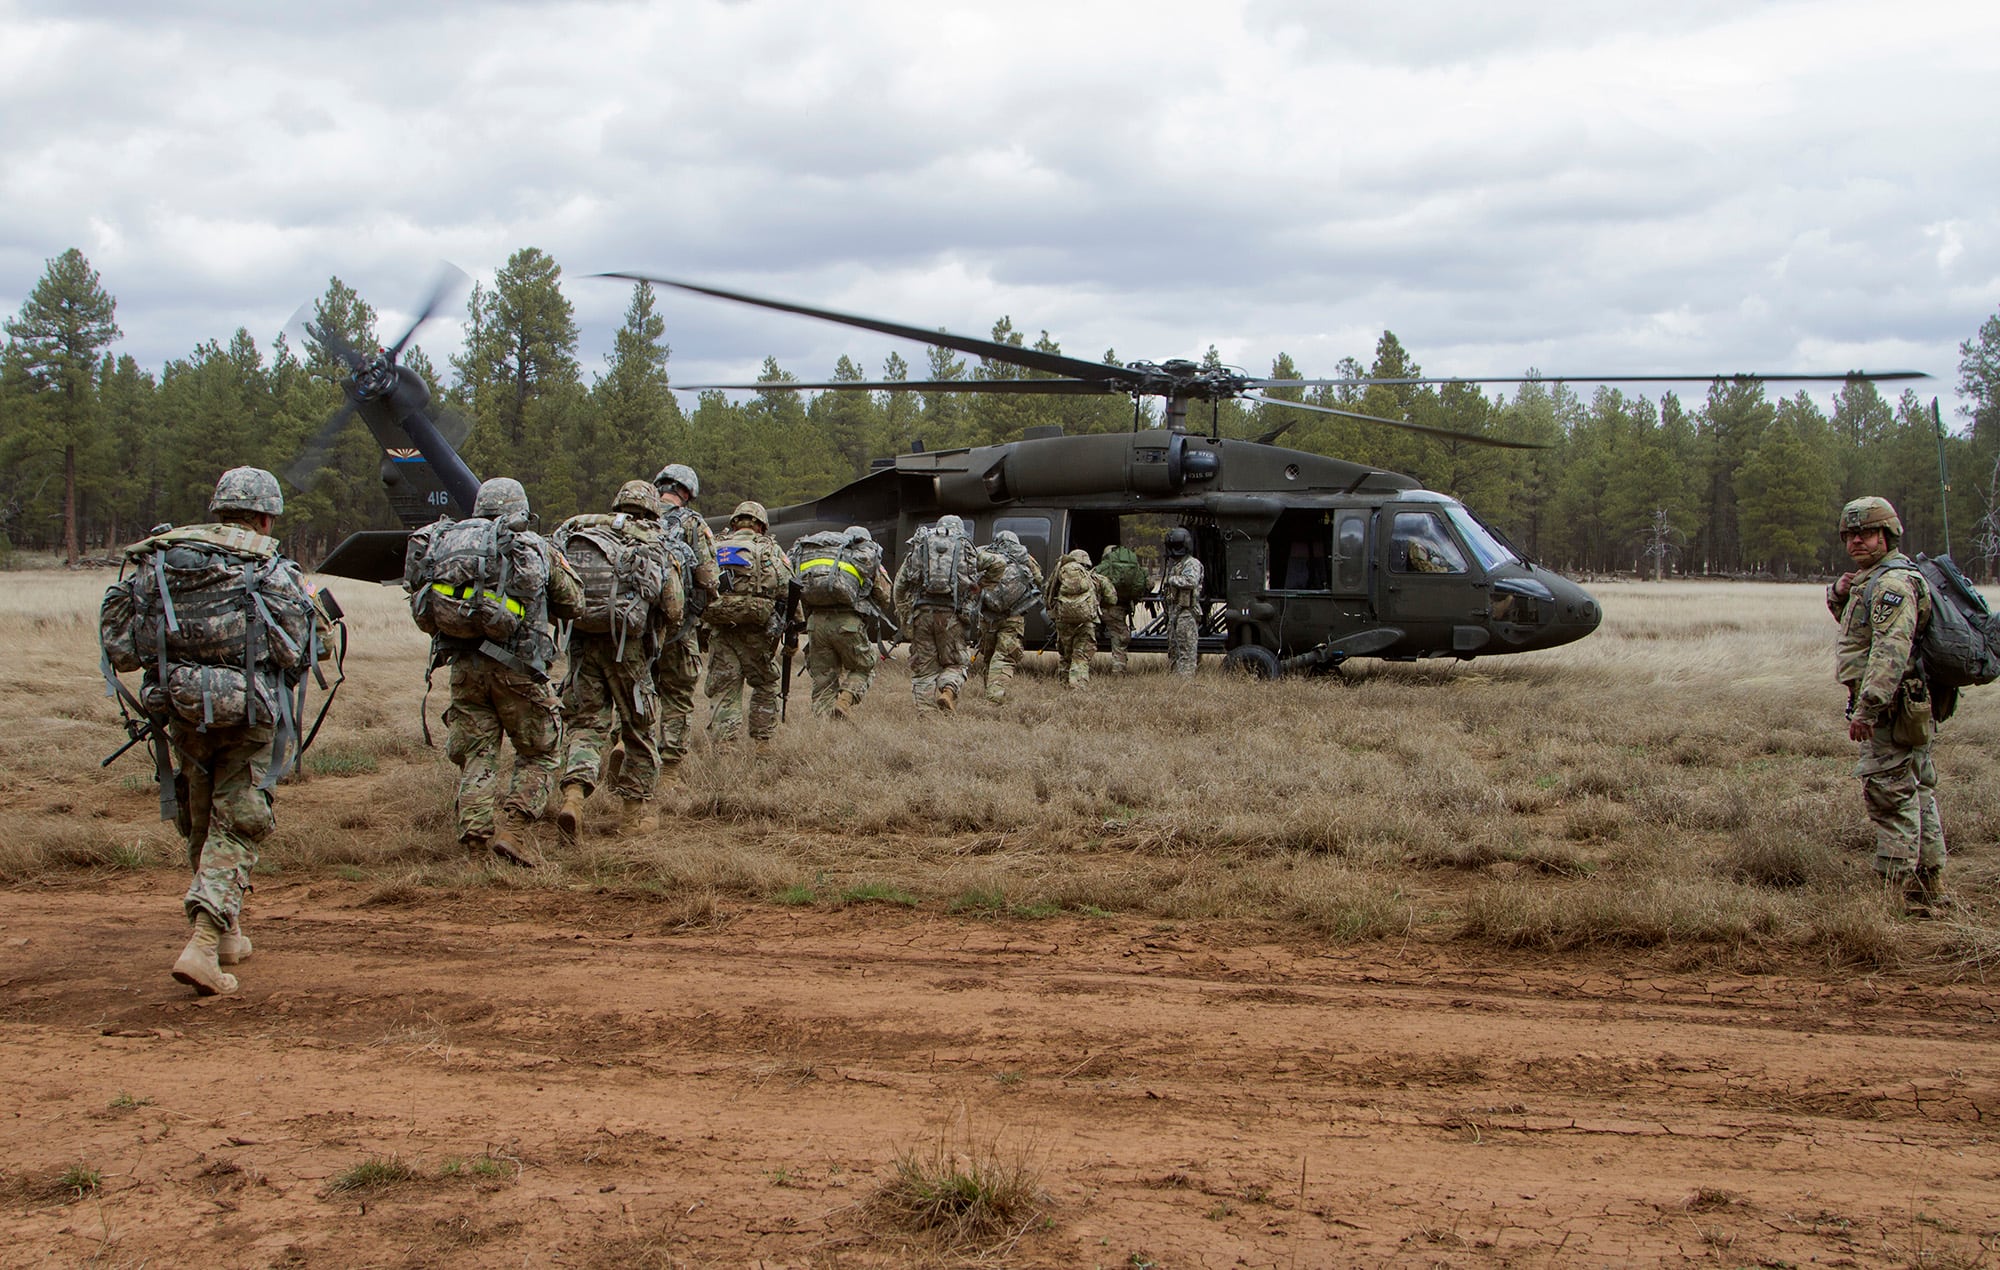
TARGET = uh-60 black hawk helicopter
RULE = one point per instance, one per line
(1309, 560)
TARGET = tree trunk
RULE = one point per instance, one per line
(69, 505)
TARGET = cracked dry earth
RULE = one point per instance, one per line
(579, 1081)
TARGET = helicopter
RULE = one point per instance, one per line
(1309, 560)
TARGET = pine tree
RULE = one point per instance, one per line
(638, 424)
(519, 376)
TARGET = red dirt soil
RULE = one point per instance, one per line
(620, 1089)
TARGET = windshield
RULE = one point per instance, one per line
(1484, 545)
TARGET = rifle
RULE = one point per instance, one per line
(153, 729)
(794, 622)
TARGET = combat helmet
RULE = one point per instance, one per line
(248, 489)
(858, 533)
(750, 509)
(950, 525)
(1007, 537)
(637, 496)
(502, 498)
(1180, 542)
(1869, 513)
(678, 474)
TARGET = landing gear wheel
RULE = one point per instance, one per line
(1253, 661)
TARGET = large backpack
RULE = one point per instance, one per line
(1959, 647)
(1127, 576)
(940, 556)
(834, 573)
(474, 579)
(1076, 594)
(625, 577)
(752, 580)
(1007, 580)
(217, 615)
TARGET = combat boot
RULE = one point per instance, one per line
(641, 818)
(948, 700)
(843, 705)
(1924, 895)
(670, 773)
(512, 843)
(234, 946)
(570, 818)
(197, 966)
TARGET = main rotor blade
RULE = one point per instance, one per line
(1033, 359)
(1792, 377)
(304, 471)
(1056, 387)
(450, 281)
(1445, 433)
(325, 338)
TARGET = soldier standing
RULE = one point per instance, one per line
(937, 592)
(1076, 600)
(1129, 585)
(225, 629)
(1883, 606)
(844, 590)
(747, 620)
(1180, 592)
(677, 669)
(631, 594)
(485, 589)
(1010, 583)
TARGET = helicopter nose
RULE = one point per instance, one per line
(1577, 612)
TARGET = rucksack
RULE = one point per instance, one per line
(1127, 576)
(1076, 594)
(625, 577)
(940, 554)
(834, 572)
(752, 580)
(1007, 580)
(474, 579)
(1961, 644)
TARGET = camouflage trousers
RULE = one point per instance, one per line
(1000, 652)
(937, 653)
(606, 701)
(1118, 634)
(1183, 640)
(841, 658)
(676, 671)
(488, 701)
(740, 656)
(1899, 784)
(1076, 644)
(223, 814)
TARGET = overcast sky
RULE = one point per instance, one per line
(1568, 185)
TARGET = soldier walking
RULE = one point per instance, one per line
(225, 629)
(631, 596)
(1883, 607)
(677, 668)
(844, 590)
(485, 589)
(1129, 584)
(1181, 594)
(1010, 584)
(747, 620)
(1076, 600)
(937, 592)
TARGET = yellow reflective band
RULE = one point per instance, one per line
(511, 604)
(842, 563)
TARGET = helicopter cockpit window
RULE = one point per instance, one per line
(1418, 543)
(1490, 550)
(1350, 557)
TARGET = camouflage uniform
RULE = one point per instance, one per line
(1076, 639)
(841, 656)
(1880, 614)
(1117, 623)
(740, 656)
(935, 625)
(677, 668)
(1180, 589)
(1001, 632)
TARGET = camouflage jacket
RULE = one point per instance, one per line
(694, 531)
(1181, 587)
(1880, 616)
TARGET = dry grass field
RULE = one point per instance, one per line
(1567, 957)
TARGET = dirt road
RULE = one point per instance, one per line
(593, 1081)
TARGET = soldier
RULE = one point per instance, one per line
(485, 589)
(677, 669)
(1180, 592)
(222, 686)
(1129, 584)
(631, 595)
(937, 592)
(1010, 583)
(1076, 599)
(746, 620)
(843, 588)
(1883, 606)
